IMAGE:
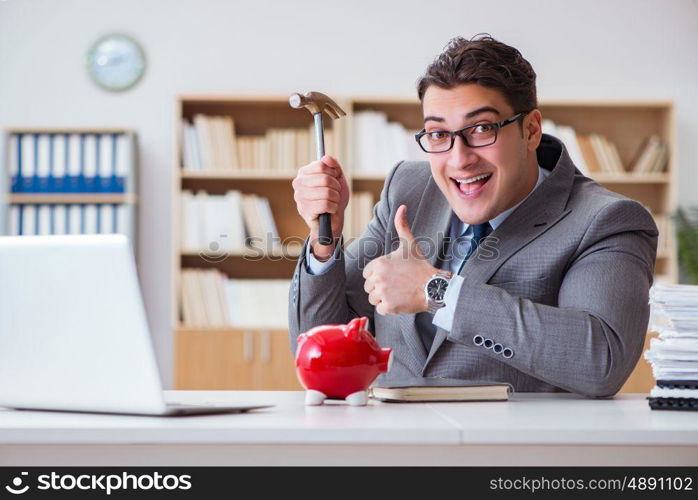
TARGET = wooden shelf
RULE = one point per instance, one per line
(71, 198)
(290, 251)
(665, 254)
(630, 178)
(228, 329)
(237, 266)
(247, 174)
(369, 176)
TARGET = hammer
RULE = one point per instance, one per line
(316, 103)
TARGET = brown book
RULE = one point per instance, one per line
(588, 153)
(434, 389)
(613, 153)
(660, 161)
(601, 153)
(644, 156)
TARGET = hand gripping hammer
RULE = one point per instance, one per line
(316, 103)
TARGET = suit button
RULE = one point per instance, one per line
(507, 353)
(478, 340)
(488, 343)
(497, 348)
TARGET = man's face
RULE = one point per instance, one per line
(508, 167)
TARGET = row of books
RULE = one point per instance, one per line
(210, 143)
(210, 300)
(360, 209)
(71, 162)
(595, 153)
(652, 158)
(378, 144)
(673, 354)
(226, 223)
(43, 219)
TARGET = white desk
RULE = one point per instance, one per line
(530, 429)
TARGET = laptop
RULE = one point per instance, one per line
(73, 330)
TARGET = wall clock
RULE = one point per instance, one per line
(116, 62)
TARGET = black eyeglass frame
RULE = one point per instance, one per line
(453, 134)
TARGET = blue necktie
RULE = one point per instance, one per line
(480, 231)
(424, 324)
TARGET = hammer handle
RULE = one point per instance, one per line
(325, 229)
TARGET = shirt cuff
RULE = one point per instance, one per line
(444, 316)
(314, 266)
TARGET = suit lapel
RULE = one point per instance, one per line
(430, 226)
(539, 212)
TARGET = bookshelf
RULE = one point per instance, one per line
(251, 357)
(71, 181)
(628, 124)
(208, 358)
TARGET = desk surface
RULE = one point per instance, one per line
(526, 419)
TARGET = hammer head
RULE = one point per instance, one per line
(316, 102)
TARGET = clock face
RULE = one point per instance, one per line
(116, 62)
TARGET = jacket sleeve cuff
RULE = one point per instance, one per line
(314, 266)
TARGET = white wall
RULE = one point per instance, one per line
(626, 49)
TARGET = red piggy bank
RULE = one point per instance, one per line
(340, 362)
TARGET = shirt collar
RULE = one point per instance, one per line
(495, 222)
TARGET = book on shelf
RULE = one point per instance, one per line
(214, 145)
(673, 354)
(232, 222)
(65, 162)
(569, 137)
(210, 143)
(82, 166)
(434, 389)
(27, 219)
(360, 209)
(595, 153)
(652, 157)
(209, 299)
(379, 144)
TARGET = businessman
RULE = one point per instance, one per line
(496, 260)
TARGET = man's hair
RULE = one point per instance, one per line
(487, 62)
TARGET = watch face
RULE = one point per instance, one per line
(436, 288)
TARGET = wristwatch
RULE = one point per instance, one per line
(435, 290)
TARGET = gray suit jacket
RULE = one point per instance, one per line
(563, 282)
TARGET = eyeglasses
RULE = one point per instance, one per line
(474, 136)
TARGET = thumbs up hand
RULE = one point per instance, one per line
(395, 282)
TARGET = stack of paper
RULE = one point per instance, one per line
(674, 353)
